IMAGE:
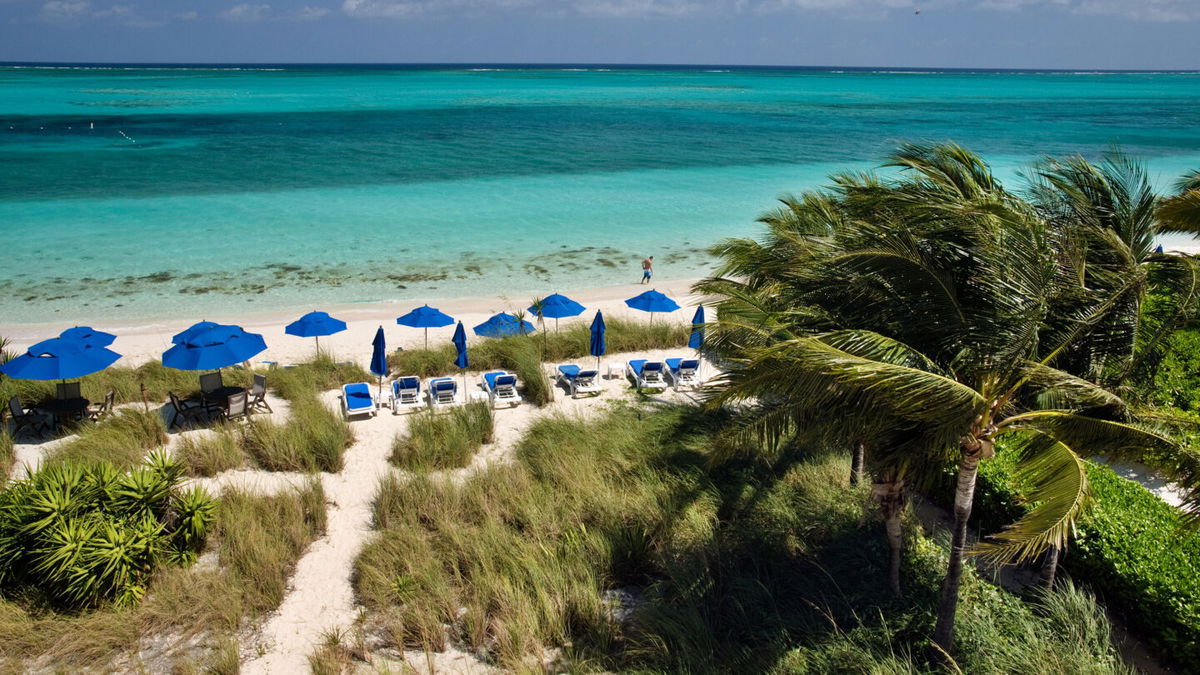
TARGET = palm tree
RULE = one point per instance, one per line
(946, 284)
(1182, 212)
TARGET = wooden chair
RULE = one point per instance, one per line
(26, 419)
(104, 409)
(258, 395)
(187, 412)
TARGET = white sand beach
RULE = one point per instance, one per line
(146, 341)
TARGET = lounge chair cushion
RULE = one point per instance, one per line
(569, 371)
(636, 365)
(492, 377)
(358, 396)
(676, 364)
(443, 384)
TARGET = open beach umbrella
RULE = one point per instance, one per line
(596, 347)
(212, 346)
(503, 325)
(426, 317)
(379, 365)
(652, 301)
(59, 359)
(696, 339)
(460, 348)
(557, 306)
(89, 336)
(314, 325)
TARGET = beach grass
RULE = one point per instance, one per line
(122, 439)
(8, 456)
(621, 544)
(212, 453)
(571, 343)
(443, 440)
(191, 616)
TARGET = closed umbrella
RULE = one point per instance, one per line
(314, 325)
(696, 339)
(503, 325)
(557, 306)
(379, 364)
(652, 302)
(426, 317)
(88, 335)
(460, 357)
(596, 348)
(59, 359)
(211, 346)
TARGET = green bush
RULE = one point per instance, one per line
(84, 534)
(122, 439)
(1177, 379)
(1130, 548)
(8, 456)
(437, 440)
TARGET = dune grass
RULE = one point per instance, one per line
(722, 567)
(446, 440)
(571, 343)
(8, 456)
(123, 439)
(126, 383)
(192, 614)
(210, 454)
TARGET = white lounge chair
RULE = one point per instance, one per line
(501, 386)
(406, 393)
(646, 373)
(357, 399)
(443, 392)
(579, 380)
(684, 372)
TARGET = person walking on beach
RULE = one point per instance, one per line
(647, 270)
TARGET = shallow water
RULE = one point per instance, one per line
(171, 192)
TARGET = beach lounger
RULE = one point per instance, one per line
(579, 380)
(501, 386)
(684, 372)
(443, 392)
(406, 393)
(646, 373)
(357, 399)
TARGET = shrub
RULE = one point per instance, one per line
(1177, 377)
(1131, 549)
(84, 534)
(122, 440)
(443, 441)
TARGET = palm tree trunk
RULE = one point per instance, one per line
(964, 496)
(1050, 567)
(890, 494)
(856, 463)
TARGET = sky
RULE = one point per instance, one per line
(1068, 34)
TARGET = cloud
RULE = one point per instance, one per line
(64, 10)
(311, 13)
(246, 13)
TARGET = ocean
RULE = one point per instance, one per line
(136, 192)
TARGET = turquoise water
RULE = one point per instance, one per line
(131, 193)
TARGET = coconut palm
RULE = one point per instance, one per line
(1182, 212)
(947, 282)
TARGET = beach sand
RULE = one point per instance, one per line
(142, 341)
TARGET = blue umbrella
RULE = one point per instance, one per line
(696, 339)
(379, 364)
(597, 345)
(652, 301)
(210, 346)
(1158, 249)
(557, 306)
(88, 335)
(426, 317)
(59, 359)
(460, 347)
(314, 325)
(503, 325)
